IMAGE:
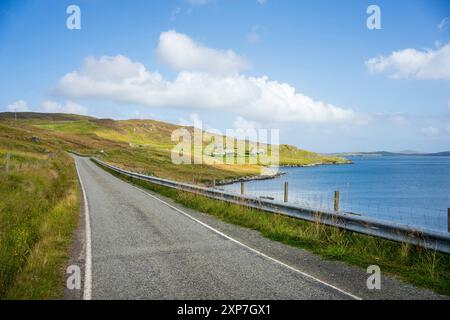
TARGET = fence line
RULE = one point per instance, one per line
(417, 216)
(434, 240)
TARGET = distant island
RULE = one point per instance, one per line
(390, 154)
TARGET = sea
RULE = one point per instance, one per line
(411, 190)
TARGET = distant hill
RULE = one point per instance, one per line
(408, 152)
(390, 154)
(440, 154)
(43, 116)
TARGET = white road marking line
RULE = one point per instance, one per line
(250, 248)
(87, 292)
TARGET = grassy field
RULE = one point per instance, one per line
(421, 267)
(38, 215)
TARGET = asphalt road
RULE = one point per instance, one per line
(145, 249)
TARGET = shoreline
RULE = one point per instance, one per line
(248, 178)
(315, 165)
(278, 175)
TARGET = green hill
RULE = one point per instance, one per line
(142, 145)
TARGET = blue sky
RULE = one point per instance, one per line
(330, 84)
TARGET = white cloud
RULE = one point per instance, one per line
(143, 116)
(444, 24)
(412, 63)
(198, 2)
(175, 13)
(193, 120)
(429, 131)
(258, 98)
(18, 106)
(182, 53)
(67, 107)
(261, 1)
(243, 124)
(253, 36)
(397, 118)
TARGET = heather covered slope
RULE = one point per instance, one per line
(144, 146)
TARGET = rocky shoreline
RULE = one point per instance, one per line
(316, 164)
(248, 178)
(279, 174)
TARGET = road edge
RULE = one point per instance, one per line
(87, 290)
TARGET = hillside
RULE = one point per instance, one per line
(141, 145)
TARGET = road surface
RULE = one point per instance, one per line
(145, 249)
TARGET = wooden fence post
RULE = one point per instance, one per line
(336, 201)
(8, 156)
(286, 191)
(242, 188)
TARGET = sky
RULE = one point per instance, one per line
(312, 69)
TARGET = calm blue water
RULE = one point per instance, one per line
(413, 190)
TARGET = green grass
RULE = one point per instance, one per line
(413, 264)
(78, 127)
(292, 156)
(155, 161)
(38, 215)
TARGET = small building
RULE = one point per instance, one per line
(256, 152)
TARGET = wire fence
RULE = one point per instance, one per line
(415, 216)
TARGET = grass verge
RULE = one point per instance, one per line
(38, 215)
(413, 264)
